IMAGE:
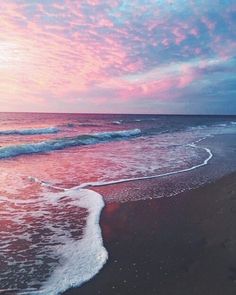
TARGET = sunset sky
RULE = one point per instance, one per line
(119, 56)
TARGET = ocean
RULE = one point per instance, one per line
(52, 164)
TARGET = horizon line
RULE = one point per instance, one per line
(101, 113)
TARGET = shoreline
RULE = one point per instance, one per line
(176, 245)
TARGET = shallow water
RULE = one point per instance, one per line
(48, 217)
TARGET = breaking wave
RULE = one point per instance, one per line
(62, 143)
(32, 131)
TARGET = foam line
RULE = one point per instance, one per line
(205, 162)
(117, 122)
(105, 183)
(32, 131)
(45, 183)
(82, 259)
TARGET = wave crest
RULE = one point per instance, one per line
(33, 131)
(62, 143)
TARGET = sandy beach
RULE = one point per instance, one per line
(169, 246)
(117, 147)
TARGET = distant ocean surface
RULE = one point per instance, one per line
(50, 238)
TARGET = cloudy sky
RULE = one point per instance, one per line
(119, 56)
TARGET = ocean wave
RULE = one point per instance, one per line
(199, 127)
(117, 122)
(141, 120)
(62, 143)
(32, 131)
(112, 182)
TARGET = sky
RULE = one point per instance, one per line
(118, 56)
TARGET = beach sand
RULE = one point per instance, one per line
(170, 246)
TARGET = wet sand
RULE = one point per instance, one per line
(170, 246)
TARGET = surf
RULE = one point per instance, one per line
(66, 142)
(32, 131)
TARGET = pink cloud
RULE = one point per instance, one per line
(179, 35)
(49, 62)
(208, 23)
(165, 42)
(93, 2)
(60, 52)
(104, 22)
(187, 76)
(164, 87)
(197, 50)
(194, 32)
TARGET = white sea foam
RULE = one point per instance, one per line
(193, 145)
(114, 134)
(123, 180)
(32, 131)
(117, 122)
(79, 260)
(62, 143)
(82, 259)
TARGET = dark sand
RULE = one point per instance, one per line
(179, 245)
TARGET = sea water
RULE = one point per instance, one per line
(50, 238)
